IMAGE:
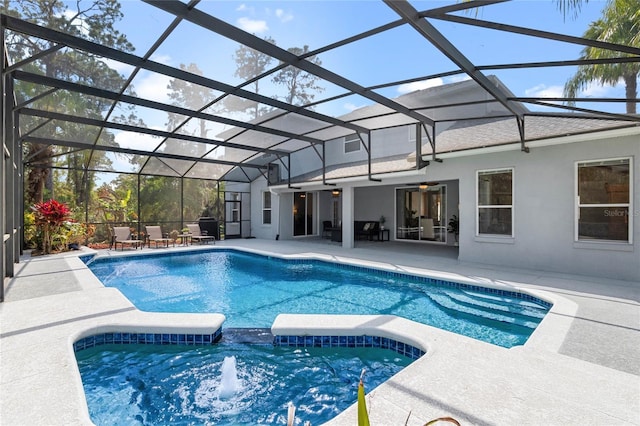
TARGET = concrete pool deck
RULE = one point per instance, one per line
(581, 366)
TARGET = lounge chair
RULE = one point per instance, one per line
(194, 230)
(122, 236)
(154, 234)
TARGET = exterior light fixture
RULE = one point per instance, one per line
(425, 185)
(335, 192)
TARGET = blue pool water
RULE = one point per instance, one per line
(251, 290)
(136, 384)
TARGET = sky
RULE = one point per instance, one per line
(397, 54)
(316, 23)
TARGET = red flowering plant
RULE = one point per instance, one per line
(49, 218)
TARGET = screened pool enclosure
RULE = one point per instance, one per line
(162, 112)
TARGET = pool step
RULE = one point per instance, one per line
(498, 305)
(454, 307)
(505, 300)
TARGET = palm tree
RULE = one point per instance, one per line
(620, 24)
(570, 6)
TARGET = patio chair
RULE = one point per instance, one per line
(122, 236)
(154, 234)
(196, 235)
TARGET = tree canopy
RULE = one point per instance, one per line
(620, 23)
(93, 20)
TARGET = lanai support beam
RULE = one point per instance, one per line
(324, 166)
(289, 173)
(367, 147)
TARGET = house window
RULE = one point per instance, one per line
(495, 202)
(266, 208)
(351, 143)
(603, 200)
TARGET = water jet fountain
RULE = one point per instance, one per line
(229, 378)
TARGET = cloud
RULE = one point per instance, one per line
(139, 141)
(78, 21)
(131, 140)
(595, 90)
(163, 59)
(153, 87)
(419, 85)
(253, 26)
(126, 69)
(543, 91)
(120, 67)
(284, 16)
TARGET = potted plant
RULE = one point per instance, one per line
(382, 220)
(453, 227)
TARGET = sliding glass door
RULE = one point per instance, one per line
(421, 213)
(303, 217)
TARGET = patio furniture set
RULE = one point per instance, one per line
(122, 235)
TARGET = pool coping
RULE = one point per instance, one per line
(97, 309)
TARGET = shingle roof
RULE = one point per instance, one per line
(486, 132)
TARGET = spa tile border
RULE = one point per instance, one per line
(381, 272)
(120, 338)
(189, 339)
(350, 342)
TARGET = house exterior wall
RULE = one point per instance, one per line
(302, 162)
(384, 143)
(453, 203)
(544, 210)
(397, 140)
(543, 200)
(258, 229)
(372, 202)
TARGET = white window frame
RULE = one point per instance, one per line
(349, 141)
(628, 205)
(497, 206)
(264, 208)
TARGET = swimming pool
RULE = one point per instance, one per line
(251, 290)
